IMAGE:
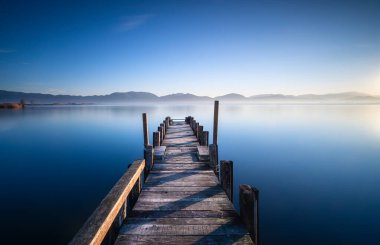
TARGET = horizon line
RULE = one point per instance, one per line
(232, 93)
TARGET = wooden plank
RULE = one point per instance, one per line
(181, 176)
(172, 189)
(181, 184)
(180, 195)
(185, 221)
(203, 153)
(160, 174)
(159, 152)
(190, 198)
(175, 240)
(183, 214)
(182, 230)
(99, 223)
(179, 171)
(184, 205)
(195, 166)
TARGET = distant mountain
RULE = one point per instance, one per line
(141, 97)
(231, 97)
(271, 97)
(36, 98)
(183, 97)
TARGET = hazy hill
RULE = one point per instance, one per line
(183, 97)
(231, 97)
(141, 97)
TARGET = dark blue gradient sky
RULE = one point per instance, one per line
(202, 47)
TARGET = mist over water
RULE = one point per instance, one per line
(316, 166)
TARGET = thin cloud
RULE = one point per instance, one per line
(7, 51)
(132, 22)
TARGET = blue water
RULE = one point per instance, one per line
(317, 166)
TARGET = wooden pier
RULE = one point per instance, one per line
(174, 195)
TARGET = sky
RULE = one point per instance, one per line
(196, 46)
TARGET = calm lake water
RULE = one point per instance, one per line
(317, 166)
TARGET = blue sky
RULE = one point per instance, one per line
(201, 47)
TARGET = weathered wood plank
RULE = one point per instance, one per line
(183, 230)
(159, 152)
(180, 195)
(175, 240)
(203, 153)
(183, 214)
(185, 221)
(181, 184)
(182, 189)
(184, 205)
(181, 176)
(195, 166)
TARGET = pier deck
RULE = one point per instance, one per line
(181, 201)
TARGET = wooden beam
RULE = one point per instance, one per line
(98, 225)
(227, 178)
(156, 139)
(161, 130)
(213, 150)
(145, 128)
(249, 210)
(200, 134)
(216, 115)
(148, 156)
(204, 138)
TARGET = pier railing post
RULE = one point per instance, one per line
(227, 178)
(249, 210)
(200, 134)
(204, 138)
(145, 128)
(215, 130)
(160, 129)
(148, 156)
(213, 151)
(197, 131)
(162, 126)
(156, 139)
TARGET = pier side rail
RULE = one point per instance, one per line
(102, 226)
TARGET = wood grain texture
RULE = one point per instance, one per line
(175, 240)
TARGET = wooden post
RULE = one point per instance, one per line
(156, 139)
(227, 178)
(216, 115)
(213, 150)
(148, 155)
(187, 119)
(193, 125)
(167, 119)
(204, 138)
(200, 134)
(249, 210)
(160, 129)
(197, 131)
(145, 128)
(162, 126)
